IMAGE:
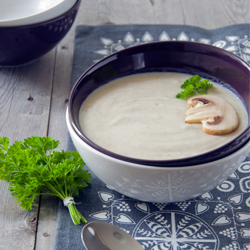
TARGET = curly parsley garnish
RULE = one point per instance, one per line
(33, 168)
(194, 85)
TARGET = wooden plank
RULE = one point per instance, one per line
(25, 98)
(208, 14)
(18, 228)
(214, 14)
(24, 107)
(58, 131)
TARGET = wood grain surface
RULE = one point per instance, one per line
(33, 97)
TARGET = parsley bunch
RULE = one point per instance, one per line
(33, 168)
(194, 85)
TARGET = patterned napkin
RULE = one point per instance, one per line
(219, 219)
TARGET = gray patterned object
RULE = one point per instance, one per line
(219, 219)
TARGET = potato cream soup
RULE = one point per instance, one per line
(139, 116)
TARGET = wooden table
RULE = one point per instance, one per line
(47, 81)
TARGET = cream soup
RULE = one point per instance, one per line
(139, 116)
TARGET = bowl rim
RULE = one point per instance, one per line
(187, 161)
(40, 17)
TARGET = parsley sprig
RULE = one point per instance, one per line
(34, 168)
(194, 85)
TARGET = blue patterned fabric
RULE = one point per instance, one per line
(219, 219)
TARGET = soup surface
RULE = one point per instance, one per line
(139, 116)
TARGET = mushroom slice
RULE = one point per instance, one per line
(218, 117)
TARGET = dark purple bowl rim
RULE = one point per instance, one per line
(53, 19)
(182, 162)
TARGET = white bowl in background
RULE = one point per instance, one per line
(26, 41)
(19, 13)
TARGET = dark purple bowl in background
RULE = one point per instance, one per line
(23, 44)
(176, 56)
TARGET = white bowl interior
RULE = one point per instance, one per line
(17, 13)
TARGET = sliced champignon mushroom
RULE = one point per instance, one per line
(218, 117)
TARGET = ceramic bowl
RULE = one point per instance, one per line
(18, 13)
(33, 33)
(169, 180)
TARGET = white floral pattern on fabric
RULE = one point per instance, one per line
(234, 44)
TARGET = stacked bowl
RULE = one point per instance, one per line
(31, 28)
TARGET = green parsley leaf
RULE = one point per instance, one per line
(33, 168)
(194, 85)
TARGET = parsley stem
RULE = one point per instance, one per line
(59, 187)
(55, 191)
(65, 185)
(76, 216)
